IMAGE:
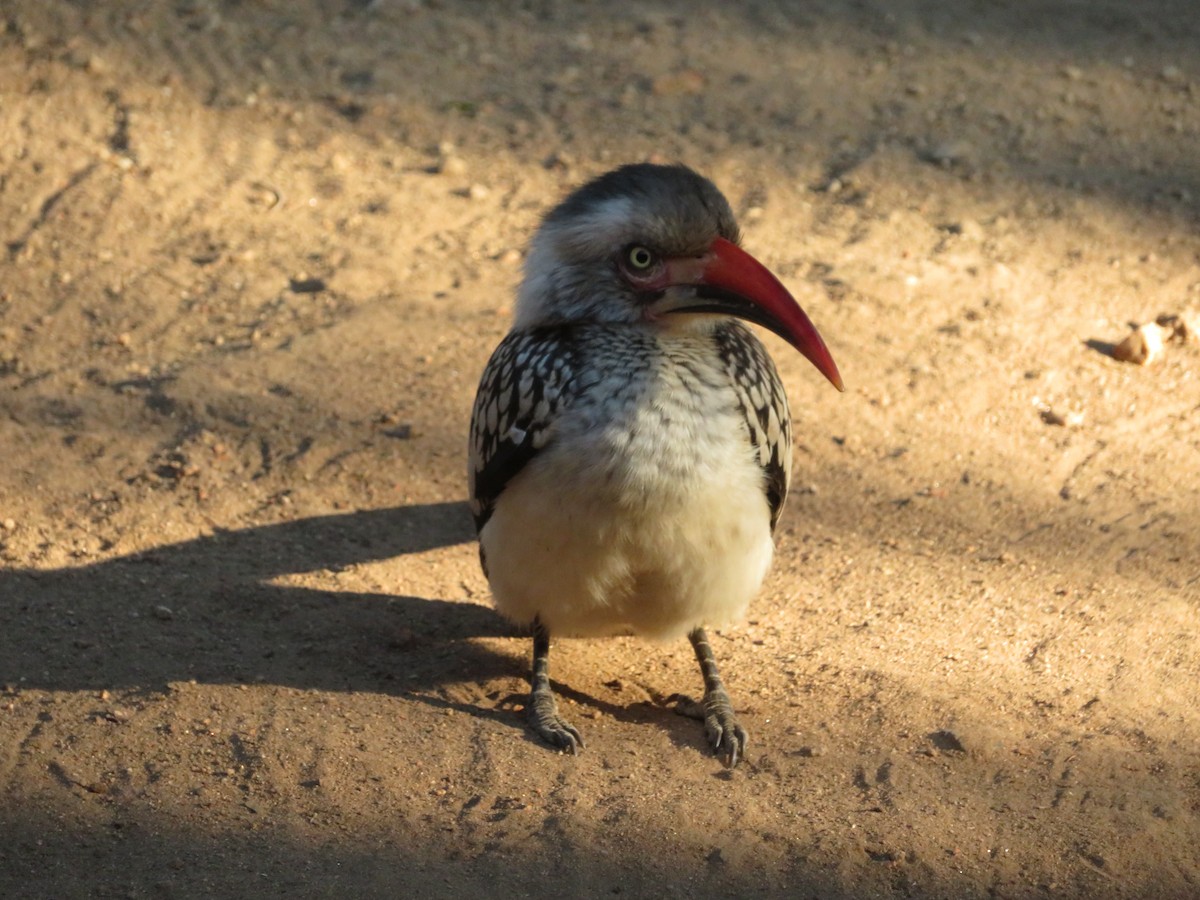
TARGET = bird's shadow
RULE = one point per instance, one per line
(237, 607)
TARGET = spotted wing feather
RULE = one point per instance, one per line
(764, 403)
(524, 387)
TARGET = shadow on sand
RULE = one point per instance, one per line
(206, 609)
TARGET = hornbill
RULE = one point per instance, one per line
(630, 445)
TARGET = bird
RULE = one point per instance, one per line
(630, 441)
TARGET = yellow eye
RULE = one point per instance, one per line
(640, 259)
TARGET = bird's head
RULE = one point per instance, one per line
(655, 244)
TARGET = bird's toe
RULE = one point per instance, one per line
(687, 706)
(729, 741)
(551, 727)
(724, 732)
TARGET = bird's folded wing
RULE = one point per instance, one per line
(525, 386)
(764, 403)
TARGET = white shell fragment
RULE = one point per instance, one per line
(1142, 346)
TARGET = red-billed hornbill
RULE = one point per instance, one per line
(630, 443)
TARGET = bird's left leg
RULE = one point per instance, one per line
(724, 732)
(542, 711)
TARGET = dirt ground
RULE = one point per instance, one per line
(255, 256)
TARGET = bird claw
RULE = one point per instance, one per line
(725, 733)
(543, 717)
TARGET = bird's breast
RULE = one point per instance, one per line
(654, 425)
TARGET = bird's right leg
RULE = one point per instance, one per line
(725, 733)
(542, 710)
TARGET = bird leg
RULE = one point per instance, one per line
(542, 711)
(725, 734)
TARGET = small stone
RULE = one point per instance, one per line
(950, 153)
(1070, 419)
(1141, 347)
(451, 165)
(165, 613)
(687, 81)
(478, 192)
(9, 524)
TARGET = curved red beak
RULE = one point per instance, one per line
(729, 280)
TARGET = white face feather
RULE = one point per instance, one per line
(567, 256)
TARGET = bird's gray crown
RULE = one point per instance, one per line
(684, 202)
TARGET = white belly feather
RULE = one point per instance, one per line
(646, 513)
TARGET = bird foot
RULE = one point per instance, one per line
(542, 715)
(725, 734)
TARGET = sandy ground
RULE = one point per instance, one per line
(255, 256)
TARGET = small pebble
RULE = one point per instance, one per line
(165, 613)
(950, 153)
(1071, 419)
(451, 165)
(1141, 347)
(687, 81)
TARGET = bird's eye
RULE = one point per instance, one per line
(639, 258)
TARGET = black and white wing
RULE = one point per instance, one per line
(524, 387)
(764, 404)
